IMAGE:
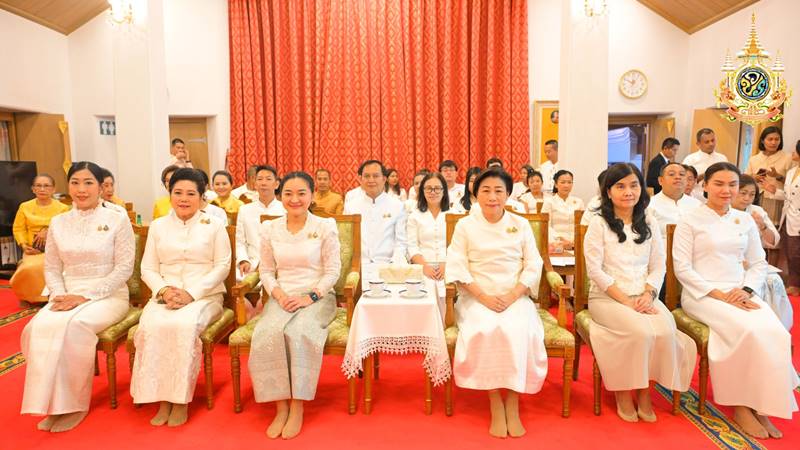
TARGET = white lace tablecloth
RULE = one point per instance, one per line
(397, 325)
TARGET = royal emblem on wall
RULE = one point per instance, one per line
(754, 90)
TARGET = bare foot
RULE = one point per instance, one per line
(48, 422)
(514, 425)
(625, 409)
(162, 415)
(768, 425)
(179, 415)
(645, 410)
(69, 421)
(748, 422)
(498, 427)
(295, 420)
(281, 415)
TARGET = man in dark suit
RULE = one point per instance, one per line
(669, 148)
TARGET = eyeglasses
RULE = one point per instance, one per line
(42, 186)
(433, 190)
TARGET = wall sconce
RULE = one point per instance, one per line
(121, 12)
(595, 8)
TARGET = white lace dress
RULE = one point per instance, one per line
(196, 256)
(88, 253)
(286, 351)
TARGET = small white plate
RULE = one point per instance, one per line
(421, 294)
(386, 293)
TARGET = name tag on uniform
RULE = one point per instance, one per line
(205, 221)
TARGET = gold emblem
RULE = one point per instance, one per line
(736, 221)
(205, 221)
(387, 216)
(511, 230)
(102, 228)
(313, 235)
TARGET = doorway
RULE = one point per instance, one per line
(194, 133)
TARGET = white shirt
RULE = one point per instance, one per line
(97, 244)
(628, 265)
(790, 194)
(701, 161)
(303, 261)
(194, 255)
(531, 202)
(237, 192)
(709, 251)
(248, 229)
(759, 211)
(427, 236)
(383, 227)
(115, 207)
(401, 196)
(475, 208)
(216, 212)
(455, 194)
(353, 193)
(592, 209)
(562, 216)
(412, 193)
(518, 189)
(548, 169)
(667, 211)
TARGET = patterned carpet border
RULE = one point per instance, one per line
(723, 432)
(18, 315)
(10, 363)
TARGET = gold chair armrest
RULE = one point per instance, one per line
(351, 290)
(554, 280)
(450, 298)
(238, 293)
(562, 290)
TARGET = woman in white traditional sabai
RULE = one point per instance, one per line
(186, 260)
(427, 231)
(634, 337)
(494, 261)
(300, 264)
(533, 197)
(561, 206)
(89, 256)
(773, 291)
(720, 264)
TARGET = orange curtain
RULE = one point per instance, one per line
(321, 83)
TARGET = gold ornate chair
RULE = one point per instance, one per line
(232, 217)
(112, 337)
(245, 199)
(695, 329)
(558, 341)
(583, 319)
(348, 290)
(215, 332)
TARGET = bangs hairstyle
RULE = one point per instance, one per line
(188, 174)
(558, 175)
(613, 175)
(767, 131)
(690, 168)
(94, 169)
(747, 180)
(223, 173)
(534, 173)
(466, 200)
(422, 202)
(494, 172)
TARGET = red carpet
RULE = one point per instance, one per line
(397, 420)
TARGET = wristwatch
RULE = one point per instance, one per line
(314, 297)
(748, 289)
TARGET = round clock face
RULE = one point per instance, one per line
(633, 84)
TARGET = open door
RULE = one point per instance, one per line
(194, 133)
(727, 133)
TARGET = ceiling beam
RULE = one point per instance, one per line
(656, 6)
(721, 15)
(32, 17)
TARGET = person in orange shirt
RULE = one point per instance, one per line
(330, 202)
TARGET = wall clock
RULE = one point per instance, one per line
(633, 84)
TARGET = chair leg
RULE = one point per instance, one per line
(578, 343)
(676, 402)
(376, 365)
(111, 368)
(236, 375)
(369, 367)
(208, 365)
(567, 388)
(351, 395)
(96, 365)
(448, 397)
(428, 395)
(596, 380)
(703, 379)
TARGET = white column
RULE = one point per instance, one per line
(140, 101)
(583, 96)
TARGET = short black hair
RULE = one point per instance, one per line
(448, 163)
(369, 162)
(494, 160)
(466, 200)
(766, 132)
(797, 147)
(225, 174)
(177, 141)
(261, 167)
(96, 171)
(188, 174)
(671, 163)
(168, 170)
(494, 172)
(297, 174)
(690, 168)
(316, 172)
(107, 174)
(670, 142)
(747, 180)
(422, 202)
(720, 167)
(205, 176)
(558, 175)
(534, 173)
(552, 142)
(702, 132)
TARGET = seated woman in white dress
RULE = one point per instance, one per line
(774, 291)
(634, 337)
(89, 256)
(300, 264)
(465, 204)
(749, 350)
(393, 186)
(561, 206)
(495, 264)
(534, 196)
(186, 260)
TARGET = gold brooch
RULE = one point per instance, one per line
(313, 235)
(205, 221)
(102, 228)
(511, 230)
(736, 221)
(387, 216)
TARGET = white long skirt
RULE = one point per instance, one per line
(633, 348)
(59, 347)
(775, 296)
(499, 350)
(749, 355)
(168, 350)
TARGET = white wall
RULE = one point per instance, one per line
(34, 76)
(544, 49)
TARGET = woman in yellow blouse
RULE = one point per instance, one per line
(30, 232)
(162, 207)
(222, 183)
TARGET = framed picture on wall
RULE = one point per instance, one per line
(544, 127)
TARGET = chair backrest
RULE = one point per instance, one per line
(581, 277)
(245, 199)
(138, 291)
(451, 220)
(540, 229)
(539, 207)
(319, 211)
(650, 191)
(232, 216)
(128, 206)
(672, 288)
(66, 199)
(230, 281)
(132, 216)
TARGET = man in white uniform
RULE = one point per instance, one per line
(671, 204)
(383, 217)
(549, 167)
(455, 191)
(248, 189)
(248, 221)
(705, 156)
